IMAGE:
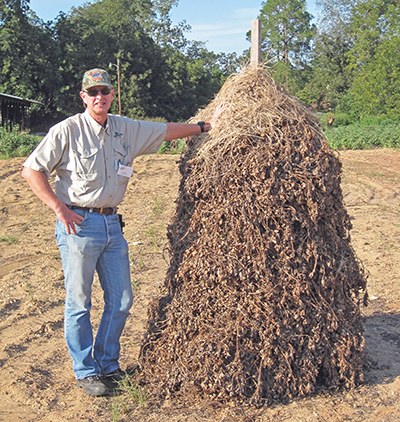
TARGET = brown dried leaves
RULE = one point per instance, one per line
(263, 290)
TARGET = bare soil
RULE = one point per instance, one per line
(37, 382)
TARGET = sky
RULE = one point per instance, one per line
(221, 24)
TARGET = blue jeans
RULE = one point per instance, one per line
(98, 246)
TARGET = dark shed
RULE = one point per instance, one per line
(15, 111)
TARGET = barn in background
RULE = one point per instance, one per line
(15, 111)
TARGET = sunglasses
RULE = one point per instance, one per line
(93, 92)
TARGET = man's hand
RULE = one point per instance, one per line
(41, 188)
(69, 218)
(183, 130)
(218, 111)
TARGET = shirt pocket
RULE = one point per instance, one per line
(86, 171)
(120, 156)
(85, 160)
(84, 181)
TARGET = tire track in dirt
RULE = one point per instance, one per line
(19, 261)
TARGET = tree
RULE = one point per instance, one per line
(331, 77)
(161, 29)
(336, 16)
(27, 52)
(95, 35)
(375, 59)
(287, 33)
(161, 73)
(160, 77)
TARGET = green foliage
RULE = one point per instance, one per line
(28, 60)
(287, 33)
(375, 58)
(364, 136)
(346, 106)
(161, 72)
(376, 88)
(371, 20)
(286, 30)
(352, 70)
(16, 144)
(356, 61)
(339, 119)
(331, 77)
(10, 238)
(176, 146)
(377, 120)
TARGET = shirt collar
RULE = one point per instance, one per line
(95, 126)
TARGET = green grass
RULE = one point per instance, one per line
(153, 235)
(138, 263)
(132, 397)
(135, 282)
(10, 238)
(158, 206)
(30, 290)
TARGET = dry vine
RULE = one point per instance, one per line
(263, 291)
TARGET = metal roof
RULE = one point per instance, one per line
(19, 99)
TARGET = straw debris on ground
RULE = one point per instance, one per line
(262, 298)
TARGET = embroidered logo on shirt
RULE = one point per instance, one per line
(117, 135)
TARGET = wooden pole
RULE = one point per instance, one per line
(119, 89)
(255, 52)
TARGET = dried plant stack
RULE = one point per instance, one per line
(262, 298)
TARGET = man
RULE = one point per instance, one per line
(92, 154)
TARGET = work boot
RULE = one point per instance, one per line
(94, 385)
(112, 379)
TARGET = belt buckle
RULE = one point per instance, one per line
(101, 210)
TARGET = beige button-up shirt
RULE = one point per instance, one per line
(86, 156)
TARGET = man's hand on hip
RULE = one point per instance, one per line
(69, 218)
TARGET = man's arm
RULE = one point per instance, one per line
(182, 130)
(41, 188)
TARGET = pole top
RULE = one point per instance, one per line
(255, 52)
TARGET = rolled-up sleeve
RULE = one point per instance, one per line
(48, 154)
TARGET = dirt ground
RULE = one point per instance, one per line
(37, 382)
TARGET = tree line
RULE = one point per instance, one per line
(347, 64)
(162, 74)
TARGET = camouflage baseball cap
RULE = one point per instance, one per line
(95, 77)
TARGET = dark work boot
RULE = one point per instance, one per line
(115, 377)
(94, 385)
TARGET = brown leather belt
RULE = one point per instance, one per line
(101, 210)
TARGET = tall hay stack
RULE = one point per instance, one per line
(263, 292)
